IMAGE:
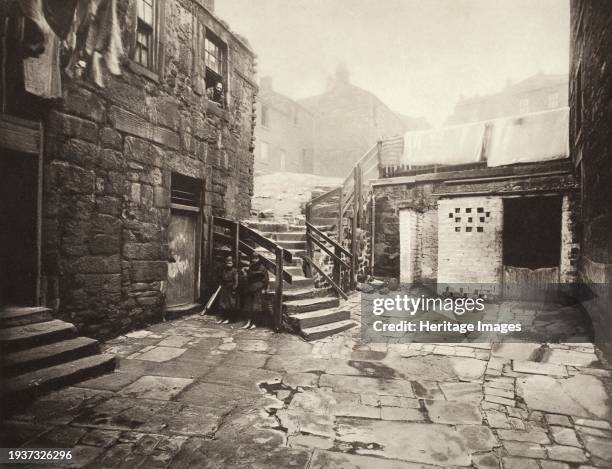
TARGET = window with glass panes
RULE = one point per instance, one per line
(214, 56)
(145, 33)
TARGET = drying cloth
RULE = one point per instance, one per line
(41, 73)
(37, 29)
(459, 144)
(533, 137)
(95, 35)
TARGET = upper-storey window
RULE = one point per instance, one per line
(146, 34)
(215, 53)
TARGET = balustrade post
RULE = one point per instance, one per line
(278, 296)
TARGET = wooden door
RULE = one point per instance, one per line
(184, 262)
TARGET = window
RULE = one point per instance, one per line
(264, 152)
(265, 116)
(215, 53)
(144, 50)
(553, 100)
(523, 106)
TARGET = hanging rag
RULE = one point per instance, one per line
(95, 36)
(41, 66)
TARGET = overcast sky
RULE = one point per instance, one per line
(418, 56)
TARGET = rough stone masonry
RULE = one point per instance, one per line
(109, 159)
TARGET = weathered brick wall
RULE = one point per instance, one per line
(109, 156)
(590, 135)
(389, 200)
(466, 254)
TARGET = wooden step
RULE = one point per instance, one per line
(303, 293)
(286, 236)
(21, 316)
(319, 332)
(48, 355)
(17, 338)
(319, 318)
(298, 283)
(310, 304)
(294, 270)
(25, 387)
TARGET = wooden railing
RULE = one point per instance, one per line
(352, 198)
(243, 239)
(335, 252)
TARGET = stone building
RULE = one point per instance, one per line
(494, 224)
(284, 135)
(590, 140)
(540, 92)
(348, 121)
(107, 191)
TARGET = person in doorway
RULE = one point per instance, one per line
(229, 287)
(256, 281)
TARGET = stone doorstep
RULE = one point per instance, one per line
(173, 312)
(27, 386)
(18, 338)
(48, 355)
(12, 317)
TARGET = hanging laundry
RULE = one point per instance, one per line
(36, 28)
(95, 36)
(59, 15)
(41, 70)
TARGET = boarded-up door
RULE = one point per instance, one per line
(182, 268)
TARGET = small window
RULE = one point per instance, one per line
(450, 215)
(470, 220)
(265, 116)
(457, 229)
(524, 106)
(479, 229)
(458, 219)
(214, 59)
(457, 210)
(482, 219)
(480, 210)
(468, 210)
(468, 229)
(146, 34)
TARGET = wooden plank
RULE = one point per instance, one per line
(185, 208)
(326, 277)
(225, 238)
(327, 238)
(334, 256)
(246, 232)
(19, 135)
(271, 266)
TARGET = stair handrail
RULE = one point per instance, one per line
(277, 267)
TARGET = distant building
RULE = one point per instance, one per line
(284, 133)
(348, 121)
(590, 124)
(540, 92)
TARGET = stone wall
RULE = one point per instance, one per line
(108, 164)
(590, 136)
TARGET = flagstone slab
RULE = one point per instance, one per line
(359, 384)
(453, 413)
(569, 357)
(579, 396)
(471, 392)
(156, 387)
(327, 459)
(161, 354)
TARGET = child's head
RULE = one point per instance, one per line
(255, 259)
(229, 262)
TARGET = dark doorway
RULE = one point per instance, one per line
(18, 239)
(532, 232)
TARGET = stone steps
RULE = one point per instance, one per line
(303, 293)
(29, 385)
(298, 282)
(13, 317)
(321, 317)
(325, 330)
(285, 236)
(14, 339)
(310, 304)
(292, 245)
(42, 353)
(48, 355)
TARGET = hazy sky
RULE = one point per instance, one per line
(418, 56)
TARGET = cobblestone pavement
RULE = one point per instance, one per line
(192, 393)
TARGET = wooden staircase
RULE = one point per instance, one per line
(314, 313)
(39, 354)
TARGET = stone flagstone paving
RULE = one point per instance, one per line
(192, 393)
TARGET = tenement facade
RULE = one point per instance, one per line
(110, 185)
(590, 140)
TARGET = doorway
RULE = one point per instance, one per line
(184, 235)
(531, 246)
(18, 235)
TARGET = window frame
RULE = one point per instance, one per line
(220, 75)
(152, 67)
